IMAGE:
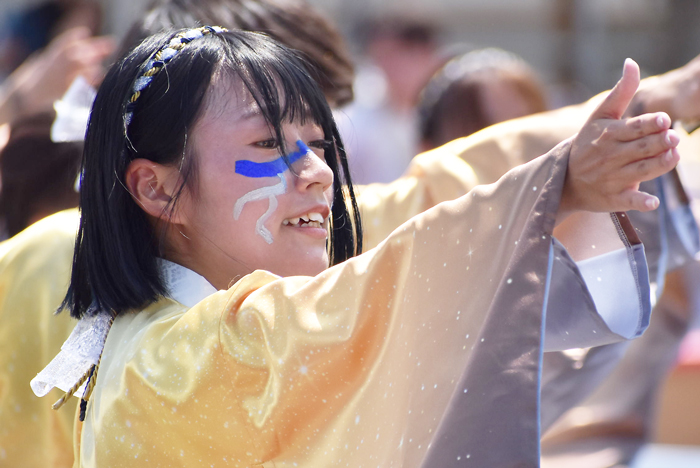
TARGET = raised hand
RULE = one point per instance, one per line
(610, 156)
(44, 77)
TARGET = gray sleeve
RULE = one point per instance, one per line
(608, 301)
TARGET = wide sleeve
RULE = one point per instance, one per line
(431, 178)
(616, 284)
(367, 357)
(425, 351)
(442, 174)
(670, 233)
(603, 400)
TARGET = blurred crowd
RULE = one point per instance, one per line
(408, 92)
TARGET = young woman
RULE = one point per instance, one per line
(215, 196)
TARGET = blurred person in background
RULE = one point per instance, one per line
(38, 178)
(29, 30)
(380, 128)
(38, 175)
(474, 91)
(44, 78)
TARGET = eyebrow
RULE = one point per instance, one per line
(256, 170)
(251, 112)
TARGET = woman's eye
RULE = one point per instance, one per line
(320, 144)
(267, 144)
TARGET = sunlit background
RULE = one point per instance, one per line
(577, 48)
(576, 45)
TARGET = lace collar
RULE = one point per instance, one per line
(72, 368)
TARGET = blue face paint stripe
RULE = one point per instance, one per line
(271, 168)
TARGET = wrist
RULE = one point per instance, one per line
(567, 204)
(654, 96)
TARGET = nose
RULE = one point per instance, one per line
(311, 170)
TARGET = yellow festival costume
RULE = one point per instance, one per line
(34, 274)
(425, 349)
(439, 175)
(37, 436)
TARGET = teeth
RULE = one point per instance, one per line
(310, 219)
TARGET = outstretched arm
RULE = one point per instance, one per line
(610, 156)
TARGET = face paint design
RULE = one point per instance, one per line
(256, 170)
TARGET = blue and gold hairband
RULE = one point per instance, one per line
(161, 58)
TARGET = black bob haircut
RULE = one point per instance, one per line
(115, 259)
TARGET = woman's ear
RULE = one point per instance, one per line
(152, 186)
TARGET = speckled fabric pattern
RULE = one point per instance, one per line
(366, 364)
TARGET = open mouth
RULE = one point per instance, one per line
(309, 220)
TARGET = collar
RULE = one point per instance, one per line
(82, 351)
(184, 285)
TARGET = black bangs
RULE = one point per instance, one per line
(279, 81)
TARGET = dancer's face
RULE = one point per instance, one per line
(244, 213)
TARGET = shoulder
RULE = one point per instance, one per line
(51, 236)
(168, 321)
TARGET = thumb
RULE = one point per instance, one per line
(616, 102)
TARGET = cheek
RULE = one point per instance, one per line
(261, 190)
(330, 195)
(216, 199)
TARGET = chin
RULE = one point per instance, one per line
(305, 267)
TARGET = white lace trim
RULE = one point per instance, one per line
(81, 351)
(84, 346)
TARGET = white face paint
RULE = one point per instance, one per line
(245, 199)
(270, 193)
(267, 169)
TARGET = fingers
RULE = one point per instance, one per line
(616, 102)
(103, 46)
(610, 157)
(649, 168)
(639, 127)
(86, 57)
(636, 200)
(645, 147)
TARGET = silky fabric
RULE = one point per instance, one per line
(609, 426)
(357, 365)
(438, 175)
(599, 401)
(437, 179)
(616, 419)
(33, 282)
(31, 433)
